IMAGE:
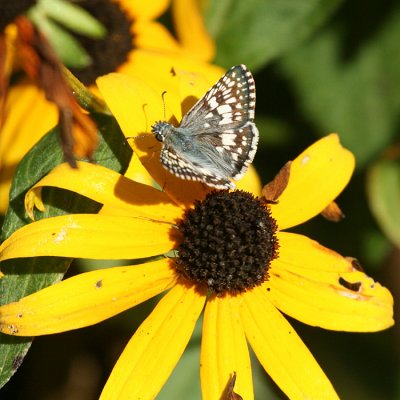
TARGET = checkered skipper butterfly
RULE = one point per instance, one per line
(217, 138)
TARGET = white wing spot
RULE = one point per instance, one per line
(213, 103)
(228, 139)
(225, 108)
(230, 100)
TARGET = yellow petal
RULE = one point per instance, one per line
(191, 30)
(224, 350)
(156, 347)
(137, 106)
(136, 172)
(153, 36)
(182, 192)
(134, 103)
(321, 288)
(9, 47)
(90, 236)
(139, 9)
(25, 107)
(85, 299)
(107, 187)
(192, 86)
(317, 177)
(165, 71)
(281, 351)
(250, 182)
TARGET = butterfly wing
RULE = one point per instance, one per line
(217, 139)
(229, 104)
(236, 148)
(185, 166)
(223, 118)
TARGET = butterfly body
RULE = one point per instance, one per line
(217, 139)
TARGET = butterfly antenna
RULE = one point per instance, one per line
(140, 134)
(144, 106)
(163, 100)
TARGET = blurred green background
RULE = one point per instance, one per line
(320, 67)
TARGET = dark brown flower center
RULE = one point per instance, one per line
(9, 10)
(111, 51)
(228, 242)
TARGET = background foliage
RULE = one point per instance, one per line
(321, 66)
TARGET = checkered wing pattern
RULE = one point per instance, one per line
(229, 104)
(193, 170)
(217, 139)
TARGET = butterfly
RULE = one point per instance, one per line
(217, 139)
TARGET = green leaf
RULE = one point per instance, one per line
(383, 187)
(352, 88)
(71, 53)
(274, 132)
(256, 31)
(25, 276)
(73, 17)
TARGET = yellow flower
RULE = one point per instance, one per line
(151, 52)
(230, 242)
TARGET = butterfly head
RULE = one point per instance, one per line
(161, 129)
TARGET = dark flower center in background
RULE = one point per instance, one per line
(111, 51)
(10, 9)
(228, 242)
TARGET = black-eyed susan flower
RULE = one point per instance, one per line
(136, 44)
(230, 257)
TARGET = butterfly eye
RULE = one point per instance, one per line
(159, 130)
(159, 137)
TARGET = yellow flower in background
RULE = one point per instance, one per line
(229, 256)
(145, 49)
